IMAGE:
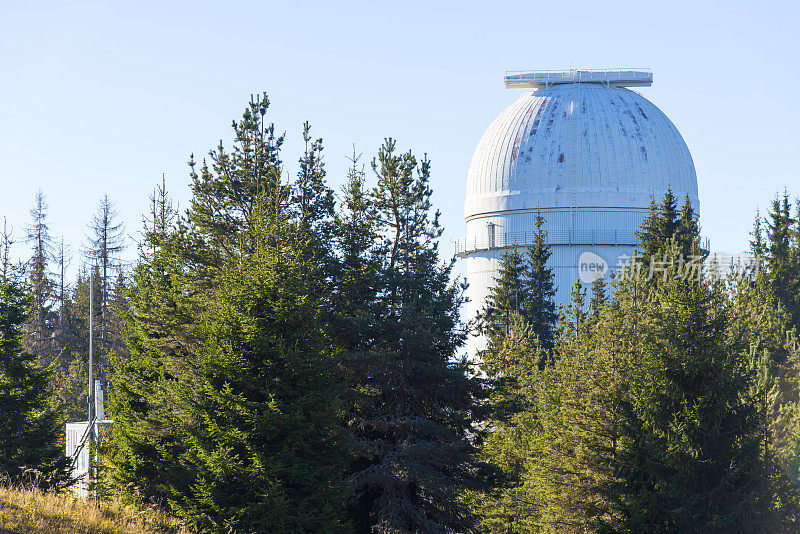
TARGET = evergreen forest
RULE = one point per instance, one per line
(285, 357)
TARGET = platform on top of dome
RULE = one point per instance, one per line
(534, 79)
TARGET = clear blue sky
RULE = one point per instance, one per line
(103, 98)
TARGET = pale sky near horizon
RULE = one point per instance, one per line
(103, 98)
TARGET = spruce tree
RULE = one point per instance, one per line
(576, 449)
(665, 224)
(599, 296)
(779, 236)
(649, 418)
(757, 245)
(539, 288)
(782, 259)
(574, 314)
(648, 234)
(511, 364)
(646, 422)
(548, 449)
(41, 316)
(697, 419)
(509, 425)
(702, 378)
(264, 453)
(774, 357)
(159, 329)
(226, 409)
(355, 278)
(28, 431)
(506, 297)
(524, 286)
(313, 206)
(311, 198)
(662, 223)
(226, 186)
(412, 454)
(688, 232)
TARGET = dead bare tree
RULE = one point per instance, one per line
(104, 247)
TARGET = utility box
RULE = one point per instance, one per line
(78, 451)
(79, 454)
(78, 441)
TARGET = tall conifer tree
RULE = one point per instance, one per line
(538, 281)
(28, 430)
(105, 244)
(355, 278)
(40, 317)
(265, 456)
(506, 297)
(411, 433)
(511, 365)
(226, 409)
(782, 259)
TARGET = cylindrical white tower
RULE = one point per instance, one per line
(587, 152)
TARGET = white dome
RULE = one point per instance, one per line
(589, 157)
(578, 145)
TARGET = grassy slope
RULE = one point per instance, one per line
(24, 511)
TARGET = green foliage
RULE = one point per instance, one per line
(519, 320)
(160, 332)
(506, 298)
(502, 504)
(574, 315)
(778, 245)
(539, 307)
(257, 410)
(312, 200)
(645, 421)
(660, 225)
(225, 408)
(599, 296)
(664, 225)
(28, 431)
(411, 416)
(524, 286)
(354, 302)
(698, 418)
(671, 406)
(287, 367)
(774, 358)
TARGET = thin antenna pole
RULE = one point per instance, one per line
(91, 340)
(90, 420)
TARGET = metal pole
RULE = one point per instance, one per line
(90, 420)
(91, 324)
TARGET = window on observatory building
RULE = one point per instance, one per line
(490, 231)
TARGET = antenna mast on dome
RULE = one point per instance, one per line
(537, 79)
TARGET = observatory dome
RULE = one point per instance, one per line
(578, 143)
(585, 152)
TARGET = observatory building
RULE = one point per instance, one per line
(586, 151)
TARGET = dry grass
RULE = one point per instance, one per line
(29, 510)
